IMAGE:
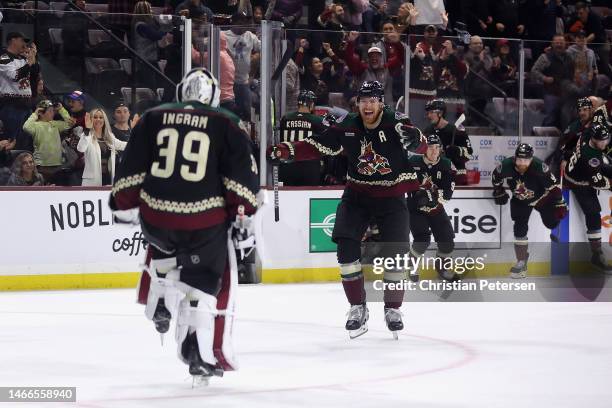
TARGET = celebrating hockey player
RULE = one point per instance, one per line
(455, 141)
(532, 186)
(376, 142)
(188, 169)
(296, 126)
(426, 205)
(584, 175)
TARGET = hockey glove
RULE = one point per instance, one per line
(423, 198)
(279, 153)
(500, 196)
(409, 136)
(453, 152)
(560, 210)
(129, 217)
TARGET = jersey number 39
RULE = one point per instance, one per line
(170, 137)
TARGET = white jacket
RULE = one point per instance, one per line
(92, 174)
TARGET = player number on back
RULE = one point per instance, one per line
(200, 157)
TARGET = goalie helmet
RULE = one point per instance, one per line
(199, 85)
(371, 89)
(524, 151)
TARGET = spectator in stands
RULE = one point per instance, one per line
(241, 43)
(353, 13)
(227, 7)
(424, 58)
(6, 146)
(100, 147)
(555, 70)
(476, 16)
(122, 126)
(406, 18)
(478, 81)
(507, 18)
(46, 135)
(227, 76)
(292, 86)
(331, 21)
(450, 72)
(287, 11)
(195, 9)
(257, 15)
(76, 105)
(585, 65)
(374, 69)
(18, 69)
(374, 16)
(311, 80)
(119, 16)
(503, 70)
(393, 56)
(24, 172)
(75, 25)
(146, 32)
(591, 24)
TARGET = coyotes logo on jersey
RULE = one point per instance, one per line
(521, 192)
(371, 162)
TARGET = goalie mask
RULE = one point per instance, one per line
(199, 85)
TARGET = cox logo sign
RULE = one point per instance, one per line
(499, 157)
(485, 173)
(474, 157)
(486, 143)
(541, 143)
(513, 142)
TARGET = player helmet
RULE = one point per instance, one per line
(199, 85)
(433, 139)
(584, 102)
(306, 97)
(524, 151)
(599, 132)
(371, 89)
(436, 105)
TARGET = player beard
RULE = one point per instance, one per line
(370, 115)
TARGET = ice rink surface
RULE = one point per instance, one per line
(294, 352)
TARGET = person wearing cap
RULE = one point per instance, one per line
(584, 174)
(374, 69)
(241, 43)
(533, 186)
(18, 70)
(595, 32)
(377, 143)
(436, 175)
(46, 136)
(585, 64)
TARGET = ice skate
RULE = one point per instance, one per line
(599, 261)
(199, 370)
(393, 318)
(357, 322)
(519, 270)
(161, 317)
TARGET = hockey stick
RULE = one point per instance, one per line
(399, 102)
(554, 236)
(458, 123)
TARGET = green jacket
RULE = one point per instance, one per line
(46, 136)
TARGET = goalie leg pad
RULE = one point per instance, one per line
(197, 312)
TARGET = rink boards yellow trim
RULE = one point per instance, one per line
(292, 275)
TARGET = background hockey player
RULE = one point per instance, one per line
(297, 126)
(426, 205)
(572, 134)
(188, 168)
(455, 142)
(375, 142)
(584, 175)
(532, 186)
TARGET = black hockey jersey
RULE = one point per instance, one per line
(584, 168)
(570, 138)
(536, 187)
(296, 126)
(437, 177)
(187, 166)
(462, 142)
(377, 158)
